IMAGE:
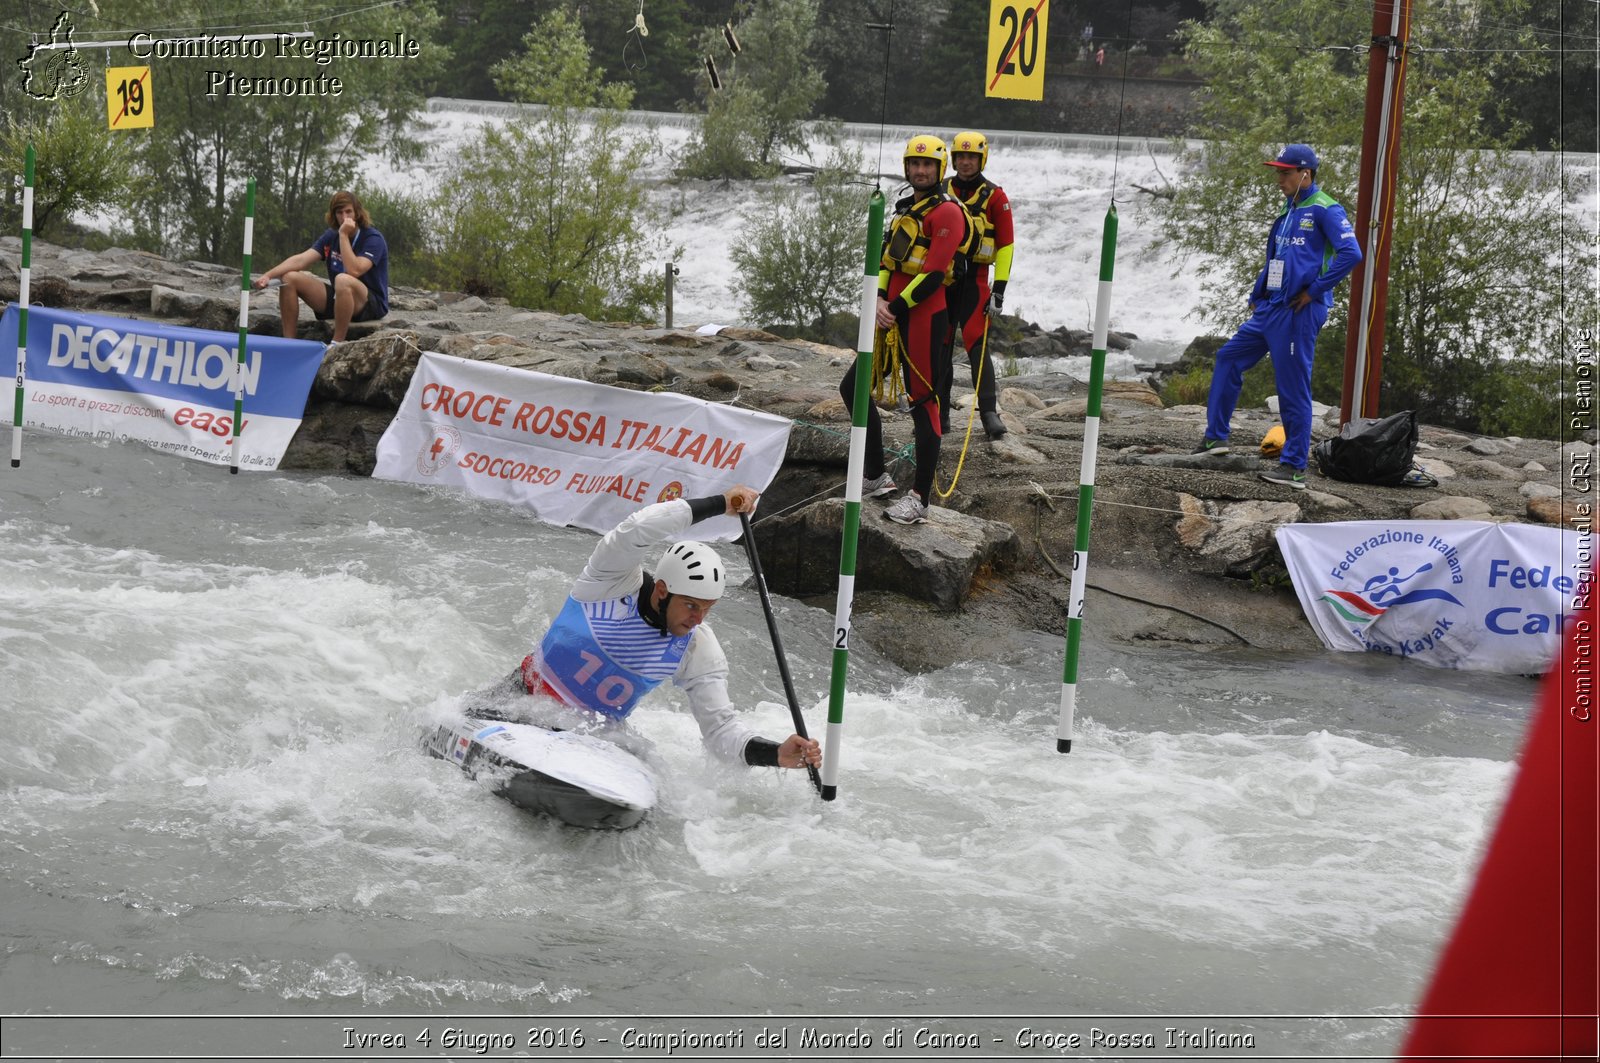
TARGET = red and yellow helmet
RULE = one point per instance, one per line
(972, 141)
(927, 146)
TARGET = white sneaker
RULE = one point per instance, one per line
(909, 510)
(877, 487)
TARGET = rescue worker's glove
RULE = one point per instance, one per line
(997, 298)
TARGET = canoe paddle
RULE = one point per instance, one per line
(777, 643)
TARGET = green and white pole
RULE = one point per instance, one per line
(244, 320)
(22, 309)
(852, 499)
(1091, 444)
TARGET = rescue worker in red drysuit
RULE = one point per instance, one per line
(918, 248)
(972, 300)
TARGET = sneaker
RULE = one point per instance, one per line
(1287, 475)
(1212, 446)
(909, 510)
(992, 424)
(878, 486)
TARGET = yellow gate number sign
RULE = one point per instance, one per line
(128, 100)
(1016, 49)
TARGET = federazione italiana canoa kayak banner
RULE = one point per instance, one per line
(1453, 594)
(574, 453)
(168, 386)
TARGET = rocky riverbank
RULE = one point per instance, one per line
(1182, 547)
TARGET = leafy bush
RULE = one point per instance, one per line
(800, 259)
(546, 211)
(769, 92)
(1192, 386)
(79, 164)
(403, 220)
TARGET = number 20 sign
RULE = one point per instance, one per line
(1016, 50)
(129, 104)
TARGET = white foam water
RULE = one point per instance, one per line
(212, 800)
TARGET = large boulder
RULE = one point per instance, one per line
(936, 562)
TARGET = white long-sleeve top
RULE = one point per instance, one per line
(615, 570)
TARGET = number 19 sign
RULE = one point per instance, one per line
(1016, 50)
(129, 104)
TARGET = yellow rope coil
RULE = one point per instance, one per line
(888, 352)
(972, 413)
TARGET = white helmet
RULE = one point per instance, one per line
(692, 569)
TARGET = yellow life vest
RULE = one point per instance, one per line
(977, 208)
(905, 247)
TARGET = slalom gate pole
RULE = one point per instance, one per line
(852, 498)
(1091, 442)
(22, 309)
(777, 642)
(244, 320)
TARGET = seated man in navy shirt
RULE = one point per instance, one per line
(357, 288)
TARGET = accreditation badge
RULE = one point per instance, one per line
(1274, 274)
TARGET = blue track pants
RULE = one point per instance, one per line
(1291, 338)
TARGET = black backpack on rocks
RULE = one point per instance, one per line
(1375, 451)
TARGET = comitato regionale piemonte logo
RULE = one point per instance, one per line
(54, 70)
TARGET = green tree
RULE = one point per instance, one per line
(212, 134)
(872, 74)
(480, 34)
(768, 93)
(663, 65)
(799, 258)
(959, 49)
(546, 211)
(79, 164)
(1556, 105)
(1477, 247)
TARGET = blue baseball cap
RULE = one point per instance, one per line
(1295, 157)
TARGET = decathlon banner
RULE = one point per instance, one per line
(164, 385)
(1453, 594)
(574, 453)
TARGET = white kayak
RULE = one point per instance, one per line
(578, 778)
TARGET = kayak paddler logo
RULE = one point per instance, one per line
(1383, 592)
(436, 453)
(671, 491)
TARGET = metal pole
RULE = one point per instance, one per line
(1091, 443)
(22, 309)
(865, 335)
(671, 272)
(1380, 163)
(244, 320)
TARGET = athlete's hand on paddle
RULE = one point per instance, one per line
(797, 752)
(741, 499)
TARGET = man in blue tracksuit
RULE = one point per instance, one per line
(1311, 248)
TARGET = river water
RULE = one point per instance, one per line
(212, 804)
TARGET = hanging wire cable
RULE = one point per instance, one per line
(289, 18)
(1122, 106)
(883, 108)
